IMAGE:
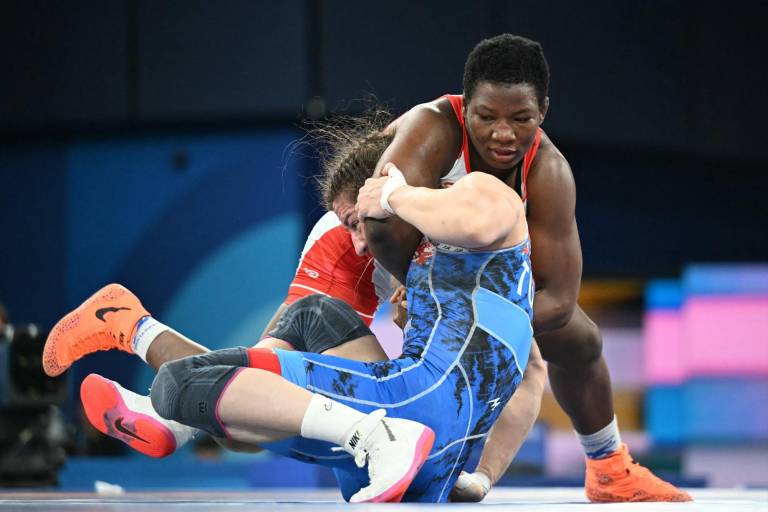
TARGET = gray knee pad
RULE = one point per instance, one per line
(188, 390)
(317, 322)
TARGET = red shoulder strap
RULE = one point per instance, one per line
(457, 102)
(528, 161)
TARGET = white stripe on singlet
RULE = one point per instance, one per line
(466, 433)
(455, 441)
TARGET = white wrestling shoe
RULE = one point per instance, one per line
(394, 448)
(130, 417)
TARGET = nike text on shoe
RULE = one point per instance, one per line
(106, 320)
(394, 449)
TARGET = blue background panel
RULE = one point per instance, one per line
(708, 410)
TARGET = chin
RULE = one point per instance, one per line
(503, 166)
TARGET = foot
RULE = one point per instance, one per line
(129, 417)
(617, 478)
(394, 449)
(105, 321)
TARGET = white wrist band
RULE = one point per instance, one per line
(395, 181)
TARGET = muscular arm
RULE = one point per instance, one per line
(555, 246)
(508, 433)
(465, 215)
(516, 420)
(425, 145)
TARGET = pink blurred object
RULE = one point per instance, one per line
(662, 341)
(725, 335)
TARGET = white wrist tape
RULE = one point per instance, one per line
(395, 181)
(483, 480)
(466, 479)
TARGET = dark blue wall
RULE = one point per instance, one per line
(658, 106)
(666, 75)
(206, 229)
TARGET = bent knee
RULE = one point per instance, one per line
(574, 345)
(165, 391)
(316, 323)
(189, 394)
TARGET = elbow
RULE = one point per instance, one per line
(558, 316)
(564, 313)
(481, 228)
(479, 234)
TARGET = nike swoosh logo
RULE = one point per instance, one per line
(119, 426)
(103, 311)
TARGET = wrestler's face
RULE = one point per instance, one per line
(501, 122)
(344, 208)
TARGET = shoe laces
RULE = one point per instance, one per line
(361, 457)
(96, 338)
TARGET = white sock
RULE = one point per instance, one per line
(143, 404)
(603, 442)
(328, 420)
(146, 331)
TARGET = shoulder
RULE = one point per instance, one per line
(550, 186)
(427, 139)
(435, 118)
(327, 237)
(550, 168)
(324, 224)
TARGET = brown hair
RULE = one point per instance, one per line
(350, 148)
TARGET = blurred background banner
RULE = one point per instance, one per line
(155, 144)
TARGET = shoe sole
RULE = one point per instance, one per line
(107, 412)
(395, 493)
(604, 497)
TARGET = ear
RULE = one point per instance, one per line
(544, 110)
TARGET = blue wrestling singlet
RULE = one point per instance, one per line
(466, 347)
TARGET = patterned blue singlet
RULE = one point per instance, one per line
(465, 350)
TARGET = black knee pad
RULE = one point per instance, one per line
(188, 390)
(317, 322)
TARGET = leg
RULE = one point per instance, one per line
(578, 373)
(582, 386)
(218, 393)
(169, 346)
(326, 325)
(323, 322)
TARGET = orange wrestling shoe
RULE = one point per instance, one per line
(617, 478)
(105, 321)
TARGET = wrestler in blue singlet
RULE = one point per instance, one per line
(465, 350)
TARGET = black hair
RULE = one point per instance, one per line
(507, 60)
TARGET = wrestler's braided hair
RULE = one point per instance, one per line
(507, 60)
(350, 148)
